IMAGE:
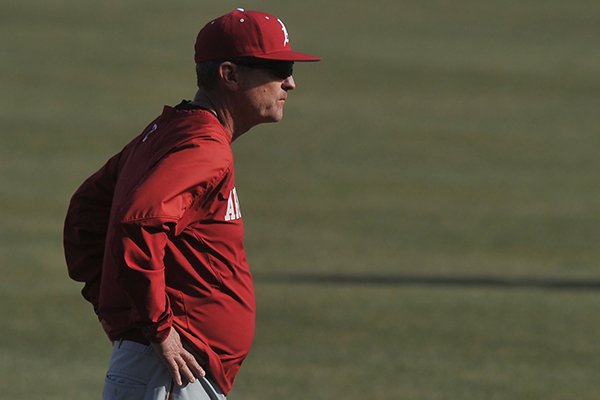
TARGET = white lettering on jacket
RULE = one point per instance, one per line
(150, 132)
(233, 207)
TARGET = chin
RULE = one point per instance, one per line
(272, 114)
(274, 118)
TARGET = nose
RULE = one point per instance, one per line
(289, 84)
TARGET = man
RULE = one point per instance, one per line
(156, 234)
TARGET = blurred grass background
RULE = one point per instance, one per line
(422, 225)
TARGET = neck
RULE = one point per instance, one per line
(221, 108)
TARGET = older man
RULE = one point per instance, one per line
(156, 234)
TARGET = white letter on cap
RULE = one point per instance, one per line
(286, 38)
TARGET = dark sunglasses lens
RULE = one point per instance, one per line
(282, 70)
(279, 69)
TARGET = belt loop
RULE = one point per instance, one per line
(120, 343)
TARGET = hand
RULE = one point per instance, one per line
(178, 359)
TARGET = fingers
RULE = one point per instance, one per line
(174, 369)
(188, 367)
(192, 364)
(181, 363)
(184, 366)
(186, 373)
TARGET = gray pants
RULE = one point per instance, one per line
(136, 372)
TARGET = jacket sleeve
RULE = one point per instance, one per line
(149, 218)
(85, 229)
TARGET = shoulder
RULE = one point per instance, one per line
(199, 134)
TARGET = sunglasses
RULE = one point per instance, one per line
(279, 69)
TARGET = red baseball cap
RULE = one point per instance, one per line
(243, 33)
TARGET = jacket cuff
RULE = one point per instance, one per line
(157, 333)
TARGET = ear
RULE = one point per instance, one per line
(229, 75)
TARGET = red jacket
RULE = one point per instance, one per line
(156, 235)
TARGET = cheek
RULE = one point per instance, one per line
(269, 100)
(265, 101)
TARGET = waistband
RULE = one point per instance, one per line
(134, 336)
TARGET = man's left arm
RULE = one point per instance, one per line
(150, 217)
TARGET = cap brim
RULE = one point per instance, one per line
(287, 56)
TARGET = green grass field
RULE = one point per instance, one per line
(424, 224)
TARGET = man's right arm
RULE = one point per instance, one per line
(85, 228)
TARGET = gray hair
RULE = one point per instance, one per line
(207, 74)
